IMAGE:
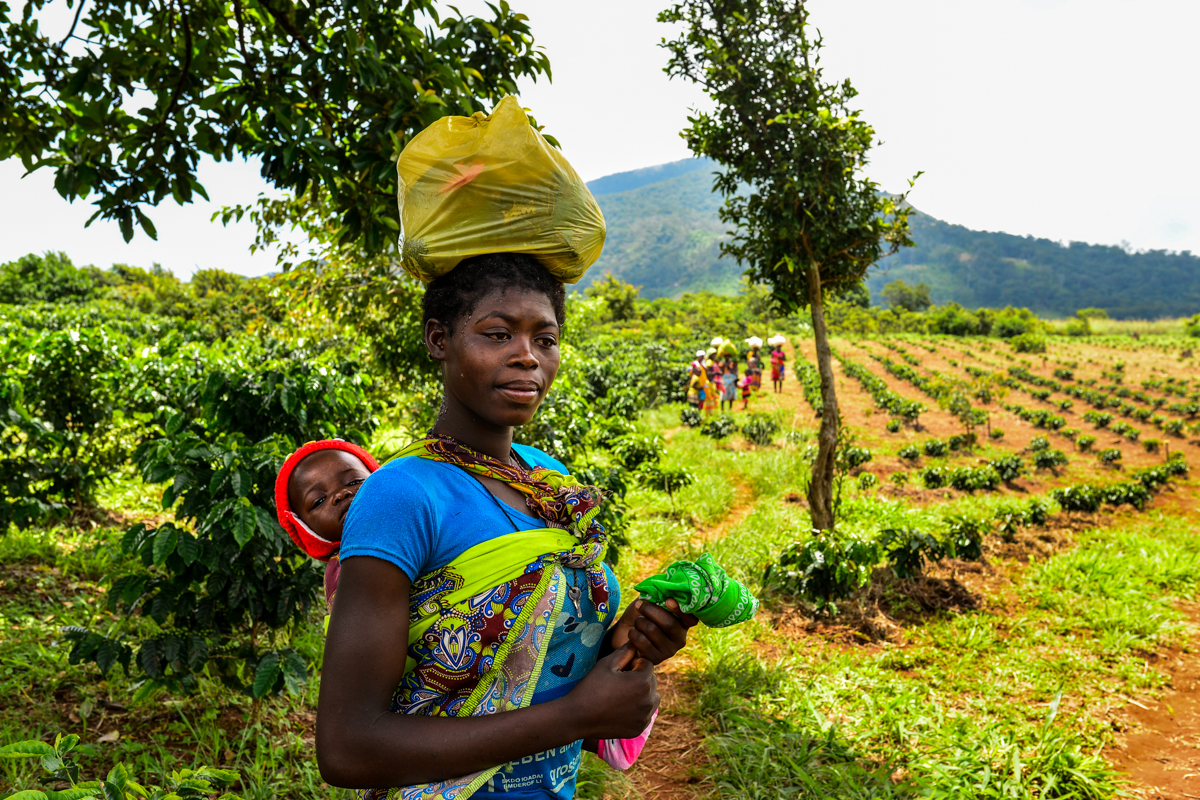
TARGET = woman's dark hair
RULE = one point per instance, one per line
(455, 294)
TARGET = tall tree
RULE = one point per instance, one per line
(323, 94)
(899, 294)
(807, 220)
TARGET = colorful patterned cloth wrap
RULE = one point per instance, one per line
(702, 588)
(480, 627)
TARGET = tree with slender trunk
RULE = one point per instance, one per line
(808, 222)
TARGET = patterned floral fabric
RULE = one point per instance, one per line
(480, 627)
(558, 499)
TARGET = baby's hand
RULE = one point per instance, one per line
(657, 633)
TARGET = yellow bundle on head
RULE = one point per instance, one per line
(491, 184)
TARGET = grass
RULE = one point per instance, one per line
(1007, 701)
(50, 579)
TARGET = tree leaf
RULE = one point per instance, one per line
(242, 482)
(244, 521)
(27, 749)
(175, 422)
(265, 675)
(188, 547)
(295, 673)
(287, 396)
(164, 543)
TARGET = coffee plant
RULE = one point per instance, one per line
(824, 569)
(761, 429)
(222, 582)
(59, 764)
(719, 427)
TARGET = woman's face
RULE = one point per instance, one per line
(501, 359)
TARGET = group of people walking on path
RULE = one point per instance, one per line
(714, 379)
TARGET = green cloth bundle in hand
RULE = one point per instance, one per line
(702, 588)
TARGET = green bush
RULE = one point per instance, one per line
(1173, 427)
(1049, 459)
(58, 437)
(824, 569)
(961, 441)
(1009, 468)
(760, 428)
(1064, 374)
(59, 764)
(690, 417)
(665, 479)
(1028, 343)
(964, 537)
(1098, 418)
(1110, 456)
(933, 477)
(719, 427)
(1193, 326)
(852, 457)
(972, 479)
(1039, 443)
(1152, 445)
(1085, 442)
(936, 447)
(996, 433)
(909, 452)
(893, 425)
(635, 450)
(908, 550)
(1078, 498)
(224, 566)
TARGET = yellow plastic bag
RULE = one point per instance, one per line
(475, 185)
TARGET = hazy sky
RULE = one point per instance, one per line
(1066, 119)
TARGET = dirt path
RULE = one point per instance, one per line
(1160, 749)
(669, 767)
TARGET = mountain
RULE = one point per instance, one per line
(664, 235)
(663, 231)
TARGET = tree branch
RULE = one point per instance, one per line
(288, 28)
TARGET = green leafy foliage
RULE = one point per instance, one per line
(719, 427)
(302, 90)
(59, 764)
(908, 550)
(1009, 468)
(1028, 343)
(690, 417)
(935, 448)
(57, 424)
(760, 428)
(1085, 443)
(909, 452)
(224, 567)
(1110, 456)
(824, 569)
(1049, 459)
(634, 450)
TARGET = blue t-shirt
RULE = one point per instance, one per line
(420, 515)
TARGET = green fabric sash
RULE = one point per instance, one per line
(702, 588)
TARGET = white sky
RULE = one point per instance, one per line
(1066, 119)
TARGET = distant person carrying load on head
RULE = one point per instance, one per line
(778, 360)
(476, 642)
(754, 361)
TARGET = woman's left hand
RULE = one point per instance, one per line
(657, 632)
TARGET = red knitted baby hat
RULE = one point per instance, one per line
(302, 535)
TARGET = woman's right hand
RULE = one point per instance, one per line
(613, 701)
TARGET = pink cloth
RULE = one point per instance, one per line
(621, 753)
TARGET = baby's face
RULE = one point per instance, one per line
(321, 488)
